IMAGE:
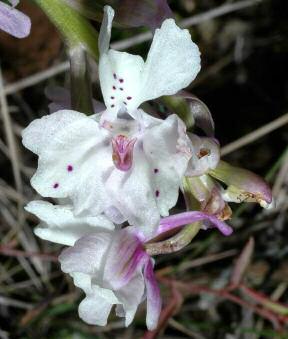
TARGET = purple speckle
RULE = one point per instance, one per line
(156, 170)
(112, 97)
(69, 168)
(56, 185)
(157, 193)
(112, 106)
(121, 80)
(114, 88)
(115, 76)
(129, 98)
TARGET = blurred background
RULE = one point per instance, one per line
(244, 82)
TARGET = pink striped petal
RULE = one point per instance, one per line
(180, 219)
(154, 302)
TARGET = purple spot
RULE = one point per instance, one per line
(56, 185)
(112, 106)
(156, 170)
(121, 80)
(114, 88)
(115, 76)
(129, 98)
(112, 97)
(157, 193)
(69, 168)
(121, 89)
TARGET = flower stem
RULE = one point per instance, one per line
(75, 29)
(80, 86)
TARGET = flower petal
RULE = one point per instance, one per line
(14, 22)
(168, 161)
(205, 155)
(74, 159)
(95, 309)
(133, 194)
(131, 296)
(172, 63)
(180, 219)
(58, 223)
(105, 30)
(154, 302)
(120, 79)
(124, 259)
(87, 255)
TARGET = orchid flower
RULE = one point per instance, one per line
(110, 266)
(13, 21)
(127, 169)
(122, 162)
(113, 268)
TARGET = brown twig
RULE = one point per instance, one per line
(11, 252)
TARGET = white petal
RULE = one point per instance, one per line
(58, 223)
(131, 296)
(172, 63)
(41, 131)
(74, 159)
(133, 194)
(87, 255)
(105, 31)
(95, 309)
(168, 164)
(82, 281)
(205, 155)
(120, 79)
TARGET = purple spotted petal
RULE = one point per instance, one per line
(180, 219)
(14, 22)
(153, 296)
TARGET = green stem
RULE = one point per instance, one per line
(75, 29)
(80, 85)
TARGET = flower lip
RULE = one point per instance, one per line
(123, 152)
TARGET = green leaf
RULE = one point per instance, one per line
(75, 29)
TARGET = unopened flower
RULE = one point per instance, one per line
(13, 21)
(242, 185)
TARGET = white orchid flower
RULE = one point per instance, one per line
(113, 268)
(129, 169)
